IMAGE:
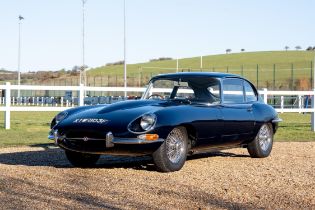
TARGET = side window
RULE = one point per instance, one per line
(249, 92)
(233, 91)
(184, 91)
(214, 90)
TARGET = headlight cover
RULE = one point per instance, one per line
(60, 116)
(148, 121)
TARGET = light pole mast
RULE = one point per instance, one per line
(19, 56)
(125, 59)
(201, 62)
(83, 72)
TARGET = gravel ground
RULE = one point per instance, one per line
(40, 177)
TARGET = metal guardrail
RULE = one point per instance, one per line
(50, 104)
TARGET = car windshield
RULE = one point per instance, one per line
(193, 89)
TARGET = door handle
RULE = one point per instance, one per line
(250, 109)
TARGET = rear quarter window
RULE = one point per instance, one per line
(250, 94)
(233, 91)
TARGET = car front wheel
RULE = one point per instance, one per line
(83, 160)
(172, 154)
(261, 146)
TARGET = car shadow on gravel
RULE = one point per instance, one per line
(51, 156)
(215, 154)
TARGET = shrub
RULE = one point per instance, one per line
(161, 59)
(115, 63)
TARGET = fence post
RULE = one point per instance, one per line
(300, 102)
(292, 76)
(312, 75)
(282, 103)
(139, 76)
(274, 76)
(313, 112)
(81, 95)
(7, 106)
(257, 76)
(265, 93)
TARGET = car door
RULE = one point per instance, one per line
(210, 123)
(238, 118)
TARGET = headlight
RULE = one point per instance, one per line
(147, 121)
(61, 116)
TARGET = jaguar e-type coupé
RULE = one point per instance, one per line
(178, 115)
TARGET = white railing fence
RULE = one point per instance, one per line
(9, 104)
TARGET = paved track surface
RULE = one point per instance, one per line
(40, 177)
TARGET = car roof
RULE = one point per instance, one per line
(195, 74)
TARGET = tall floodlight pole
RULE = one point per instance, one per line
(313, 74)
(83, 72)
(313, 99)
(19, 56)
(200, 62)
(125, 57)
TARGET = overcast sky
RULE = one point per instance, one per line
(51, 31)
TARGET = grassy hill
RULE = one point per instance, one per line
(271, 69)
(210, 62)
(285, 70)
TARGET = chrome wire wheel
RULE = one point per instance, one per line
(175, 145)
(261, 146)
(265, 137)
(172, 153)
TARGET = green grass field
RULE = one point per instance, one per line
(283, 70)
(30, 128)
(27, 128)
(214, 62)
(286, 68)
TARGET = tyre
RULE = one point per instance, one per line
(82, 160)
(172, 154)
(261, 146)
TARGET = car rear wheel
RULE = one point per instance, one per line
(172, 154)
(261, 146)
(83, 160)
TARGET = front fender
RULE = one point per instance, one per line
(264, 113)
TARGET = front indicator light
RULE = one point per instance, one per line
(149, 137)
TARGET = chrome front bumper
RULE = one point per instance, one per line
(277, 120)
(110, 139)
(134, 141)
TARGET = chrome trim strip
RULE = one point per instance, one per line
(134, 141)
(82, 139)
(277, 120)
(121, 140)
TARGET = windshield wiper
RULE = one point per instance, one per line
(181, 100)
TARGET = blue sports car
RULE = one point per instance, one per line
(179, 114)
